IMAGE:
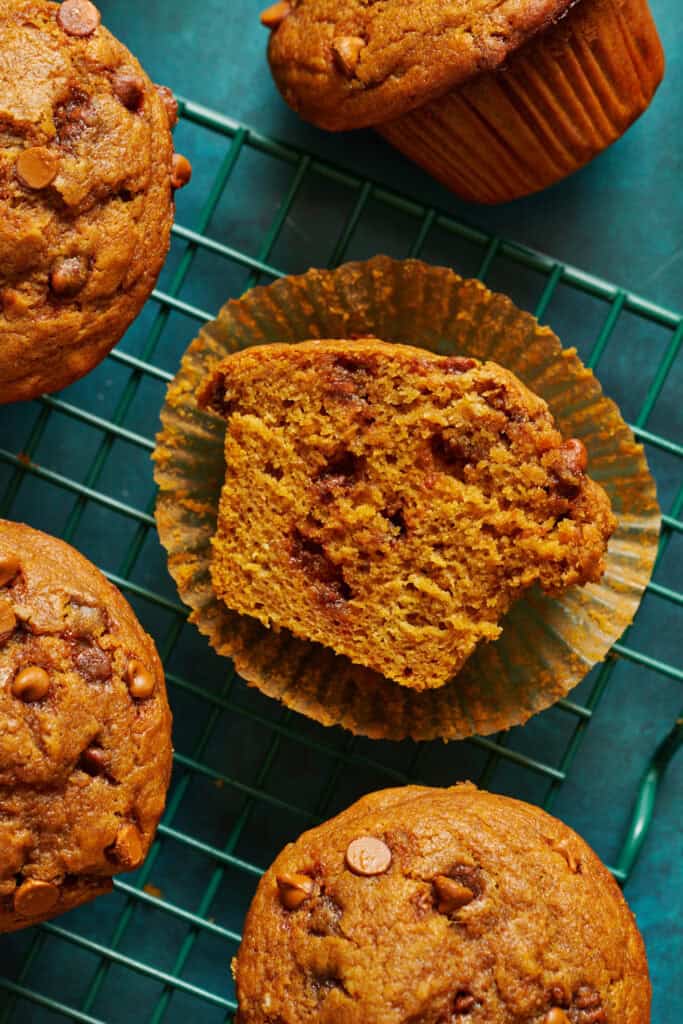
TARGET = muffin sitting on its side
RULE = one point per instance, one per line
(392, 503)
(85, 730)
(495, 98)
(87, 173)
(440, 906)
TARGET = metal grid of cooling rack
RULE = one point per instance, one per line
(250, 775)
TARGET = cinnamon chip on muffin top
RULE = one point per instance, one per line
(78, 17)
(368, 856)
(37, 167)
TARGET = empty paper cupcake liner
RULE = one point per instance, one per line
(548, 644)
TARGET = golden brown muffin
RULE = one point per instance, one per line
(87, 173)
(392, 503)
(426, 74)
(431, 906)
(351, 64)
(85, 734)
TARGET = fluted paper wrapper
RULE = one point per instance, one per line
(548, 644)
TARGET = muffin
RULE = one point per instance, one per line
(495, 100)
(87, 176)
(440, 906)
(549, 642)
(392, 503)
(85, 739)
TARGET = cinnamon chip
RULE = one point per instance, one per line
(78, 17)
(294, 890)
(274, 15)
(347, 51)
(181, 171)
(368, 856)
(34, 898)
(37, 167)
(129, 88)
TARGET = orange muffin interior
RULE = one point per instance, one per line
(392, 503)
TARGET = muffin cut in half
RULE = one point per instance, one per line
(392, 503)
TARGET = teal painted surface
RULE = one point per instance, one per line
(621, 218)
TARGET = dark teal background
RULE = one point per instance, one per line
(621, 218)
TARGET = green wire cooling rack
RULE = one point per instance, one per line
(250, 775)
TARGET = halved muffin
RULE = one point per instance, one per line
(391, 503)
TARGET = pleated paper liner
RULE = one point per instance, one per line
(548, 644)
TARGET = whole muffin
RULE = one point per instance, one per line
(85, 730)
(392, 503)
(431, 906)
(87, 173)
(496, 100)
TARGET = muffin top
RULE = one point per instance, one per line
(85, 747)
(354, 63)
(440, 907)
(86, 200)
(392, 503)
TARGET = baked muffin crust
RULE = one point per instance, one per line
(85, 746)
(346, 64)
(488, 911)
(86, 201)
